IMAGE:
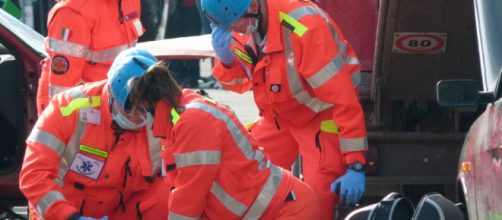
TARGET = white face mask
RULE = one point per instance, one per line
(127, 122)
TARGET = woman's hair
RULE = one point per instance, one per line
(155, 85)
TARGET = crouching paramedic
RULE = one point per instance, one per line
(214, 164)
(302, 72)
(90, 154)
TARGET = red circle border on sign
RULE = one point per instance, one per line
(440, 42)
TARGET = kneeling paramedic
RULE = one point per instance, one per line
(90, 155)
(212, 162)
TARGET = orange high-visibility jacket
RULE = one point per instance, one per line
(84, 37)
(306, 66)
(215, 166)
(74, 162)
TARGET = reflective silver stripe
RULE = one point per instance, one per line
(357, 78)
(70, 152)
(338, 61)
(54, 90)
(294, 83)
(326, 73)
(47, 200)
(237, 81)
(83, 51)
(47, 139)
(105, 55)
(67, 48)
(175, 216)
(154, 149)
(75, 93)
(352, 60)
(267, 193)
(197, 158)
(354, 144)
(227, 200)
(237, 135)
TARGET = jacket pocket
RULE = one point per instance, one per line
(328, 143)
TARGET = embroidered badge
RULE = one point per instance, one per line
(87, 166)
(59, 65)
(275, 87)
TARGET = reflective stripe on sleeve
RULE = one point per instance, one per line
(47, 200)
(47, 139)
(175, 216)
(197, 158)
(227, 200)
(83, 51)
(107, 55)
(354, 144)
(267, 193)
(67, 48)
(54, 90)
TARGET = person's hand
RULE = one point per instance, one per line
(350, 187)
(220, 39)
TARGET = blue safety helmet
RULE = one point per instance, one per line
(128, 64)
(224, 12)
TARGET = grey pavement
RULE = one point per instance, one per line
(242, 104)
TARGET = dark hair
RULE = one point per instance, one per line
(155, 85)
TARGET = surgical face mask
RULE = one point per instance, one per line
(129, 121)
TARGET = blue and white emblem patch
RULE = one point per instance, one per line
(87, 166)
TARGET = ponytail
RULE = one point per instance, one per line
(157, 84)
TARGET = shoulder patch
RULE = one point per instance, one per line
(59, 65)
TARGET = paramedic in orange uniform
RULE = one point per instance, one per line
(302, 72)
(212, 162)
(90, 154)
(84, 36)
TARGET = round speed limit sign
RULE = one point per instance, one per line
(419, 42)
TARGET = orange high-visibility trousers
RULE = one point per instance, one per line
(148, 204)
(306, 205)
(321, 156)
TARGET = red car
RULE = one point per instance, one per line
(21, 50)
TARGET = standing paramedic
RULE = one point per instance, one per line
(301, 70)
(84, 36)
(91, 155)
(212, 162)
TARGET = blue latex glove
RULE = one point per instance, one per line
(351, 186)
(220, 39)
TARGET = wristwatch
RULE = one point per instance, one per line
(356, 166)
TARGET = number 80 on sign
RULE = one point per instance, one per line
(419, 43)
